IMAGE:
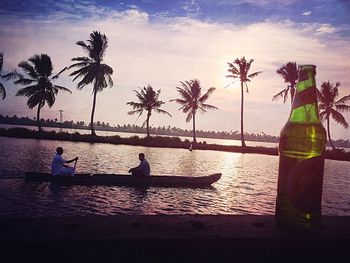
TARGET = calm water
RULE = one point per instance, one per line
(247, 186)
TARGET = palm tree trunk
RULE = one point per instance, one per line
(147, 122)
(93, 113)
(242, 99)
(38, 117)
(292, 91)
(194, 128)
(329, 134)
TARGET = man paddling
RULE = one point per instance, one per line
(143, 169)
(58, 165)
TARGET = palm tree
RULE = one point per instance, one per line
(2, 88)
(6, 77)
(38, 85)
(289, 73)
(240, 69)
(329, 106)
(191, 99)
(91, 68)
(148, 101)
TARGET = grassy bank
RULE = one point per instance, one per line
(153, 141)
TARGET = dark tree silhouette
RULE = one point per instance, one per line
(2, 88)
(289, 73)
(38, 84)
(8, 76)
(240, 69)
(148, 100)
(191, 99)
(330, 107)
(91, 69)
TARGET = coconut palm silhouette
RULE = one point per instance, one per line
(38, 83)
(289, 73)
(191, 100)
(92, 70)
(240, 69)
(330, 107)
(148, 100)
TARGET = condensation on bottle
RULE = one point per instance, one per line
(301, 158)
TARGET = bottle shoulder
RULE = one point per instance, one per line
(303, 129)
(300, 140)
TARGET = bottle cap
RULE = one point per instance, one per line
(307, 66)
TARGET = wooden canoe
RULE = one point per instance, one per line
(125, 180)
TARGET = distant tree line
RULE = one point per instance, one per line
(161, 130)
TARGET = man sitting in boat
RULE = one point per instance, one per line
(143, 169)
(58, 165)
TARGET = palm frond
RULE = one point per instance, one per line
(50, 98)
(29, 69)
(82, 71)
(342, 107)
(2, 91)
(283, 94)
(1, 60)
(82, 59)
(63, 88)
(24, 81)
(135, 105)
(324, 115)
(12, 75)
(189, 117)
(255, 74)
(83, 45)
(110, 81)
(27, 91)
(163, 112)
(59, 73)
(209, 107)
(339, 118)
(34, 100)
(139, 111)
(206, 95)
(79, 65)
(87, 79)
(42, 65)
(344, 99)
(179, 101)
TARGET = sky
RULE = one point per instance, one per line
(164, 42)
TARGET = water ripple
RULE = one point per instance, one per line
(247, 186)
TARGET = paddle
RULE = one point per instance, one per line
(75, 164)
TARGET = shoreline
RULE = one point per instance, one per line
(179, 238)
(153, 141)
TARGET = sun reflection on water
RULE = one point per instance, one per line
(247, 186)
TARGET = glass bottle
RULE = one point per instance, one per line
(301, 158)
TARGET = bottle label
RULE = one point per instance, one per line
(304, 97)
(300, 184)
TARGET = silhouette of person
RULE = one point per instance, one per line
(143, 169)
(58, 165)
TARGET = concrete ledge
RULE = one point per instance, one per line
(191, 238)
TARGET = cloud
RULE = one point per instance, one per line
(169, 50)
(325, 29)
(191, 7)
(307, 13)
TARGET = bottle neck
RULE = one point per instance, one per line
(304, 106)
